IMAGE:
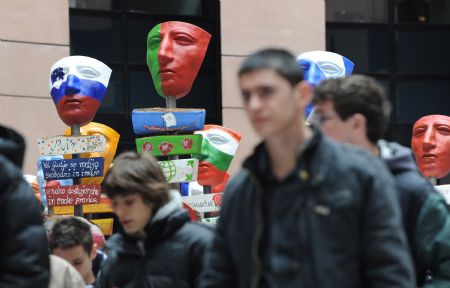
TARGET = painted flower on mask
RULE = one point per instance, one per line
(165, 148)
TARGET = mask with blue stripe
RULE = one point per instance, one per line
(320, 65)
(78, 85)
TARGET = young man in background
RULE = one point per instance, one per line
(355, 110)
(71, 239)
(304, 212)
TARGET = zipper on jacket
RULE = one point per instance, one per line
(258, 233)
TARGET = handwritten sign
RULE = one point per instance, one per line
(73, 168)
(170, 144)
(73, 195)
(182, 170)
(61, 145)
(104, 206)
(204, 203)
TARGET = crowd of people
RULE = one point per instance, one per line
(325, 204)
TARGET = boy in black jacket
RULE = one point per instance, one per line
(157, 246)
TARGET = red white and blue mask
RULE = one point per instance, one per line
(320, 65)
(78, 85)
(83, 75)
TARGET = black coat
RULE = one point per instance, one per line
(334, 222)
(24, 260)
(171, 256)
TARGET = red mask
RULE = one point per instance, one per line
(431, 145)
(175, 52)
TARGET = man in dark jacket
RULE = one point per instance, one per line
(304, 212)
(158, 246)
(355, 110)
(24, 259)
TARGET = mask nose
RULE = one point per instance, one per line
(429, 140)
(165, 53)
(72, 86)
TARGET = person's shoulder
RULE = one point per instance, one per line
(414, 183)
(118, 244)
(10, 173)
(401, 164)
(197, 231)
(352, 158)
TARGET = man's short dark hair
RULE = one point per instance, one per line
(279, 60)
(134, 173)
(70, 232)
(357, 94)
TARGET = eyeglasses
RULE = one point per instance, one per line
(318, 118)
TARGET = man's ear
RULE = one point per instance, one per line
(305, 93)
(359, 122)
(94, 251)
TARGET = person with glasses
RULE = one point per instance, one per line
(355, 110)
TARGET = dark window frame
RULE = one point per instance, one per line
(398, 131)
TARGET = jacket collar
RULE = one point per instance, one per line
(311, 158)
(174, 204)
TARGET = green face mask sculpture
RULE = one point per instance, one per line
(219, 146)
(175, 52)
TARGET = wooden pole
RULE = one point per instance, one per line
(171, 102)
(75, 131)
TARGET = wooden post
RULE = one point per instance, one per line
(171, 102)
(75, 131)
(207, 190)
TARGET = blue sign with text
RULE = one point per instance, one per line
(73, 168)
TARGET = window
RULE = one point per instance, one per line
(402, 43)
(115, 32)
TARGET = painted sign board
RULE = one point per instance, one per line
(204, 203)
(73, 195)
(178, 171)
(73, 168)
(157, 120)
(106, 225)
(63, 210)
(104, 206)
(61, 145)
(170, 144)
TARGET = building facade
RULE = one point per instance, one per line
(35, 34)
